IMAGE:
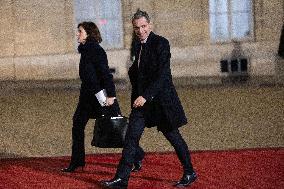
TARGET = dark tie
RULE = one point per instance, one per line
(140, 52)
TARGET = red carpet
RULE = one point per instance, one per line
(238, 169)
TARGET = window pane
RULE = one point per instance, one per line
(108, 8)
(111, 36)
(84, 10)
(218, 6)
(107, 15)
(241, 5)
(240, 25)
(111, 24)
(219, 27)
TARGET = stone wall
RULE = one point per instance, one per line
(38, 43)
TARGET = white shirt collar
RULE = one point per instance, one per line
(144, 41)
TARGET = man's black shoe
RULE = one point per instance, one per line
(116, 183)
(186, 180)
(137, 166)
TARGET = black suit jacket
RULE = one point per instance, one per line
(153, 81)
(95, 75)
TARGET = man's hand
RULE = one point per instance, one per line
(139, 102)
(109, 101)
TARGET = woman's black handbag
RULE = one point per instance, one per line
(109, 132)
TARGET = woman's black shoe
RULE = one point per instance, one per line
(73, 167)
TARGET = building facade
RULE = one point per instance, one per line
(38, 37)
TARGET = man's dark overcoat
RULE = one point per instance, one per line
(152, 79)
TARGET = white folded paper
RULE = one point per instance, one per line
(101, 96)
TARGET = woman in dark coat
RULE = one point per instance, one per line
(95, 76)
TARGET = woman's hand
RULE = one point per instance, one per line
(109, 101)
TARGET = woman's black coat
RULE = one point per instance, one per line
(153, 81)
(95, 76)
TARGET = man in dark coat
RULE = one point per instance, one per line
(154, 103)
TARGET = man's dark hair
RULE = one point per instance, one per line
(139, 14)
(92, 31)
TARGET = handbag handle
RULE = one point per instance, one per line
(111, 111)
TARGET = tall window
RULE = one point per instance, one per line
(107, 15)
(230, 20)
